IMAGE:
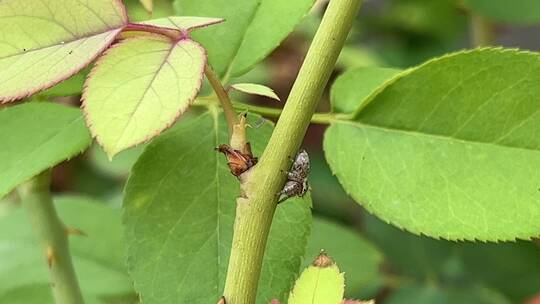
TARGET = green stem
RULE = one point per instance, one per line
(256, 209)
(223, 96)
(53, 237)
(481, 30)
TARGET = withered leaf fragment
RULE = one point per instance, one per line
(238, 161)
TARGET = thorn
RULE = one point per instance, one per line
(75, 231)
(50, 256)
(222, 301)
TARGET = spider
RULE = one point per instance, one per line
(297, 178)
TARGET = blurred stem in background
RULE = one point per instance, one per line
(53, 236)
(481, 30)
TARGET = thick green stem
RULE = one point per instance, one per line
(53, 237)
(481, 30)
(256, 208)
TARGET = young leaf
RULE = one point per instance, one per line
(183, 23)
(179, 210)
(139, 88)
(255, 89)
(515, 12)
(356, 257)
(446, 148)
(148, 5)
(320, 283)
(352, 88)
(46, 41)
(37, 136)
(98, 256)
(253, 29)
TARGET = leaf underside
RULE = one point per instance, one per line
(35, 137)
(179, 212)
(46, 41)
(448, 149)
(139, 88)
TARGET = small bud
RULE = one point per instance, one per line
(323, 260)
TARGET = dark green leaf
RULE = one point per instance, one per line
(516, 11)
(179, 212)
(36, 136)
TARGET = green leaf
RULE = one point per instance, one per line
(183, 23)
(37, 136)
(179, 211)
(446, 149)
(98, 256)
(44, 43)
(356, 257)
(352, 88)
(148, 5)
(70, 87)
(253, 29)
(320, 283)
(137, 12)
(515, 12)
(140, 87)
(120, 166)
(255, 89)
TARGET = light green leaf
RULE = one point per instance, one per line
(352, 88)
(179, 211)
(46, 41)
(139, 88)
(255, 89)
(137, 12)
(448, 149)
(37, 136)
(253, 28)
(356, 257)
(98, 256)
(320, 283)
(148, 5)
(516, 12)
(183, 23)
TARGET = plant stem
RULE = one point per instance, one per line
(481, 30)
(256, 209)
(53, 236)
(223, 96)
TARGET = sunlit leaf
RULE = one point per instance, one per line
(253, 28)
(320, 283)
(36, 136)
(140, 87)
(447, 150)
(46, 41)
(179, 211)
(255, 89)
(356, 257)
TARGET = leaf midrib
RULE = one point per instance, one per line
(416, 133)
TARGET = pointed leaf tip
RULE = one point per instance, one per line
(255, 89)
(184, 23)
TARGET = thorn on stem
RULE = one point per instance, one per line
(75, 231)
(50, 256)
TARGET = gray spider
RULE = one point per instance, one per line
(297, 178)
